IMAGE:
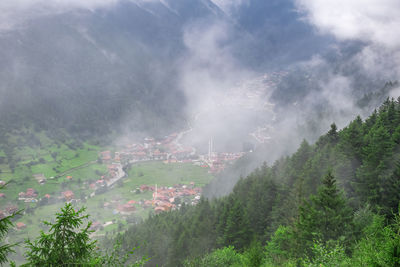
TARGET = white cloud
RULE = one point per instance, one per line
(209, 69)
(375, 21)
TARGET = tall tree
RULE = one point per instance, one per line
(237, 230)
(326, 216)
(65, 244)
(377, 154)
(5, 248)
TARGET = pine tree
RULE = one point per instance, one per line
(390, 193)
(5, 249)
(326, 216)
(65, 244)
(237, 230)
(333, 135)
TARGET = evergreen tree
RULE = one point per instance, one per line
(333, 134)
(65, 244)
(237, 230)
(5, 249)
(377, 153)
(326, 216)
(390, 193)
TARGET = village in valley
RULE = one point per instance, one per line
(126, 183)
(150, 196)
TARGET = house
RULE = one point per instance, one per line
(2, 183)
(163, 206)
(11, 209)
(159, 210)
(106, 156)
(126, 208)
(40, 178)
(47, 196)
(144, 188)
(30, 193)
(148, 203)
(68, 195)
(131, 202)
(100, 183)
(69, 178)
(157, 155)
(117, 157)
(2, 195)
(20, 225)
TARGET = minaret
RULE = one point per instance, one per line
(210, 148)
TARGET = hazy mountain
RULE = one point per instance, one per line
(87, 70)
(84, 69)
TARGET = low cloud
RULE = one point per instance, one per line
(374, 21)
(208, 69)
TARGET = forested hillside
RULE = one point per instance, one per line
(120, 67)
(332, 202)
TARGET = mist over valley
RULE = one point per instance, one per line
(171, 121)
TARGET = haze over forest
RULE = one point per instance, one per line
(142, 66)
(250, 78)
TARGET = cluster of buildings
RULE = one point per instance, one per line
(167, 149)
(218, 161)
(29, 196)
(164, 199)
(167, 198)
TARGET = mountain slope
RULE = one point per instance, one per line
(103, 69)
(363, 157)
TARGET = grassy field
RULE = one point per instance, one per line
(55, 161)
(149, 173)
(167, 174)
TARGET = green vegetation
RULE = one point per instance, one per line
(78, 161)
(69, 244)
(65, 244)
(5, 225)
(333, 203)
(167, 174)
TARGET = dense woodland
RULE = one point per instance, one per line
(334, 202)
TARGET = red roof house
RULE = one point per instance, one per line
(20, 225)
(68, 195)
